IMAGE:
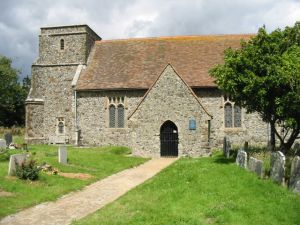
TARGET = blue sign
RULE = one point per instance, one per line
(192, 124)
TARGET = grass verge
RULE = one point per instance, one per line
(202, 191)
(98, 162)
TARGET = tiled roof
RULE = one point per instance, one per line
(136, 63)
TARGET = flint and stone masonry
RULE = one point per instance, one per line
(76, 74)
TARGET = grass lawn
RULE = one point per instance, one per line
(202, 191)
(98, 162)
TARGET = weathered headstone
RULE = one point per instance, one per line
(256, 166)
(8, 138)
(277, 172)
(15, 159)
(295, 173)
(62, 155)
(241, 159)
(2, 143)
(226, 147)
(296, 189)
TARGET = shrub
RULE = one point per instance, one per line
(28, 170)
(4, 154)
(120, 150)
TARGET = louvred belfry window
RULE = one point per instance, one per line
(62, 44)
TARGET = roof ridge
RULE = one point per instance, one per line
(177, 37)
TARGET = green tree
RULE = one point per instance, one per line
(12, 95)
(264, 76)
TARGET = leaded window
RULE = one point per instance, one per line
(112, 116)
(120, 116)
(232, 113)
(228, 115)
(116, 112)
(237, 116)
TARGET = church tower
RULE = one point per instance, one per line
(63, 52)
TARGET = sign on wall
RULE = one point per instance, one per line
(192, 124)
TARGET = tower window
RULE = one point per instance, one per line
(62, 44)
(60, 125)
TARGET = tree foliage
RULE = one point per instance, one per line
(264, 76)
(12, 94)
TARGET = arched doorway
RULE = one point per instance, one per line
(168, 139)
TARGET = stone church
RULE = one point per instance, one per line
(154, 95)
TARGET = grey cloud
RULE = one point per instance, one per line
(20, 20)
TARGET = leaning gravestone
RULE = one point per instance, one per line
(2, 143)
(295, 174)
(15, 159)
(8, 138)
(241, 159)
(256, 166)
(62, 155)
(277, 172)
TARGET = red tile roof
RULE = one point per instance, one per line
(136, 63)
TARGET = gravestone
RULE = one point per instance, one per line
(8, 138)
(2, 143)
(241, 159)
(256, 166)
(295, 174)
(62, 155)
(15, 159)
(226, 147)
(277, 172)
(296, 189)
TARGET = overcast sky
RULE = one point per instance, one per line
(20, 20)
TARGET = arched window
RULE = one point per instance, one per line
(62, 44)
(61, 128)
(237, 116)
(228, 115)
(232, 113)
(112, 116)
(120, 116)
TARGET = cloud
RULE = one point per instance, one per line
(20, 21)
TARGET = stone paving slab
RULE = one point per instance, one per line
(79, 204)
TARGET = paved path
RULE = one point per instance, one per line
(79, 204)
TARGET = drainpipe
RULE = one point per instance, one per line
(76, 124)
